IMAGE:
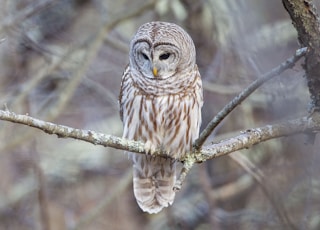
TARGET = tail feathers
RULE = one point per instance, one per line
(153, 183)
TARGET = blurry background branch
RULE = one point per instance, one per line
(259, 177)
(26, 13)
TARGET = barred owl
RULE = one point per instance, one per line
(160, 104)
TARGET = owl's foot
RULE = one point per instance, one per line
(177, 186)
(150, 148)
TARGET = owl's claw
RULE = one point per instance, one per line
(150, 148)
(177, 186)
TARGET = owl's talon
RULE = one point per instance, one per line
(150, 148)
(177, 186)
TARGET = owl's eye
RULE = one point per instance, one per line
(145, 56)
(164, 56)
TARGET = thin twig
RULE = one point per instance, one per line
(289, 63)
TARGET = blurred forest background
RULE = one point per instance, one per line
(62, 61)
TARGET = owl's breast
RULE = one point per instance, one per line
(169, 121)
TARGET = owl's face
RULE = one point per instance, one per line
(160, 50)
(158, 61)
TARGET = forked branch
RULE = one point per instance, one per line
(289, 63)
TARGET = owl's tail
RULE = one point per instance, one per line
(153, 181)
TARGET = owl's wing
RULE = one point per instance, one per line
(123, 89)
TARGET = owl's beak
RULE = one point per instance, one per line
(155, 71)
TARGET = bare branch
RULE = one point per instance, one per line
(289, 63)
(68, 132)
(254, 136)
(245, 140)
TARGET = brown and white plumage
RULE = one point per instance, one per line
(160, 104)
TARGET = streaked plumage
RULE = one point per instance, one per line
(160, 104)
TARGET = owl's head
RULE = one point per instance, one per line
(159, 50)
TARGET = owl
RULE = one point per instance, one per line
(160, 105)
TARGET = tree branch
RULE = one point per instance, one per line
(245, 140)
(254, 136)
(289, 63)
(68, 132)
